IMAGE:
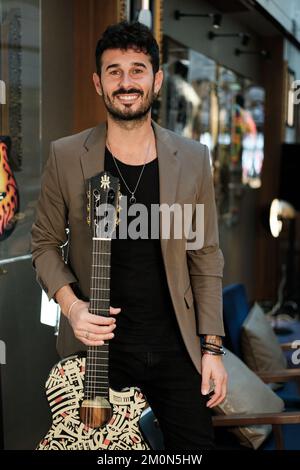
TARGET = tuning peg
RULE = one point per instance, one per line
(88, 219)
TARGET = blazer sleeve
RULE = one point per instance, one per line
(48, 232)
(206, 264)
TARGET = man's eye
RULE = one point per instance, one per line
(137, 71)
(114, 72)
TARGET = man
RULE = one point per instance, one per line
(164, 297)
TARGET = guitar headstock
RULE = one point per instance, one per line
(103, 201)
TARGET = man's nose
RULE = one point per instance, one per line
(126, 80)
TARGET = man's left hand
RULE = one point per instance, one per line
(213, 370)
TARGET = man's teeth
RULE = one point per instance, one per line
(128, 97)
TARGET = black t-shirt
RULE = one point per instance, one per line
(147, 321)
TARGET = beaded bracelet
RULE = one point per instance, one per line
(212, 344)
(221, 353)
(216, 352)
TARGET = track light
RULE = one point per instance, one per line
(244, 36)
(216, 17)
(262, 53)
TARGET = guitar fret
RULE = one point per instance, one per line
(92, 364)
(99, 288)
(103, 368)
(91, 375)
(98, 353)
(93, 391)
(99, 381)
(97, 266)
(101, 375)
(98, 362)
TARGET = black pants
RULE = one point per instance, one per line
(171, 384)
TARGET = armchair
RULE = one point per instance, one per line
(236, 310)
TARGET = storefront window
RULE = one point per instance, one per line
(214, 105)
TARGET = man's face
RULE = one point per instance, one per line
(127, 84)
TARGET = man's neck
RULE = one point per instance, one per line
(133, 142)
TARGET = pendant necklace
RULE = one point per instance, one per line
(132, 199)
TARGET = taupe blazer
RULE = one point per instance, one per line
(194, 277)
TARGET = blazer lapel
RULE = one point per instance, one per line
(169, 167)
(92, 159)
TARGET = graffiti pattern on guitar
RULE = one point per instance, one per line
(9, 201)
(65, 392)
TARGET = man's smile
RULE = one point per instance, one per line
(128, 98)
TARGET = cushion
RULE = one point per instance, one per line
(260, 347)
(247, 393)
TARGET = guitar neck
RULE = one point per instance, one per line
(96, 373)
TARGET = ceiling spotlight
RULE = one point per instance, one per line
(216, 17)
(244, 36)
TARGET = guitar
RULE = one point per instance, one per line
(86, 413)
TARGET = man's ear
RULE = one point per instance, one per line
(97, 84)
(159, 76)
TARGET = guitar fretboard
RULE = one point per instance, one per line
(96, 373)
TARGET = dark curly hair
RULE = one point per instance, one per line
(125, 35)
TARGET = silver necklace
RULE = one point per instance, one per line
(132, 199)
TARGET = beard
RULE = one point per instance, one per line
(127, 114)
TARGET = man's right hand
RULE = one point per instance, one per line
(92, 329)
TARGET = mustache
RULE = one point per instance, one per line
(132, 91)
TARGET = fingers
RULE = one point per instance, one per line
(91, 339)
(94, 333)
(97, 321)
(205, 385)
(114, 310)
(219, 392)
(90, 329)
(102, 320)
(98, 329)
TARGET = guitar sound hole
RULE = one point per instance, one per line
(95, 413)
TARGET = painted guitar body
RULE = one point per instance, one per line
(9, 198)
(65, 393)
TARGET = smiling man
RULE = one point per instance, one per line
(166, 317)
